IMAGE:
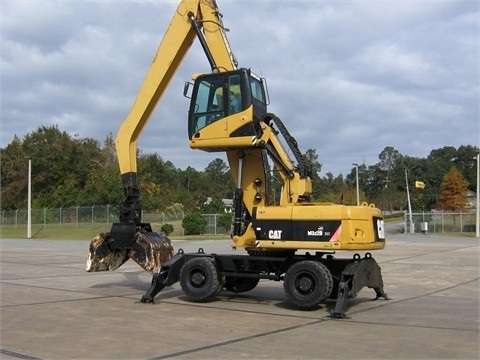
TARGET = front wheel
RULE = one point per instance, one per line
(307, 284)
(199, 278)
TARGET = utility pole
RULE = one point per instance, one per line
(29, 201)
(412, 227)
(358, 190)
(477, 222)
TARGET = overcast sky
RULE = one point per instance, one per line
(347, 78)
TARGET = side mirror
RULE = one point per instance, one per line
(187, 90)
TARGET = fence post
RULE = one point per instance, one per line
(76, 216)
(461, 221)
(92, 214)
(443, 223)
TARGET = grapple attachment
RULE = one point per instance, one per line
(148, 249)
(102, 258)
(151, 250)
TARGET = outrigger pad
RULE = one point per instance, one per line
(357, 275)
(102, 258)
(151, 250)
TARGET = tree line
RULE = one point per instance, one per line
(73, 171)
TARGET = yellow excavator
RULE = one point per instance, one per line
(294, 240)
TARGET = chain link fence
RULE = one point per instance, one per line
(103, 216)
(61, 217)
(97, 216)
(439, 222)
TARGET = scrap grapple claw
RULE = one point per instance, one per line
(151, 250)
(148, 249)
(102, 258)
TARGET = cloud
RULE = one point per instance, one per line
(347, 78)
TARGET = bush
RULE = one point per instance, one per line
(167, 229)
(225, 221)
(194, 224)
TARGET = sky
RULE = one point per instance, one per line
(348, 78)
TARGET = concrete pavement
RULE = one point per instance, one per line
(52, 309)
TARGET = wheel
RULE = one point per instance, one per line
(307, 284)
(199, 279)
(240, 284)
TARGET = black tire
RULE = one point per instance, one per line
(199, 279)
(240, 284)
(307, 284)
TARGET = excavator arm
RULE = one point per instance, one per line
(130, 237)
(190, 18)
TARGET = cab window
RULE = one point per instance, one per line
(208, 103)
(234, 94)
(256, 88)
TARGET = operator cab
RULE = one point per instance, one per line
(220, 95)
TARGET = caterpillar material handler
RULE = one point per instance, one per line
(293, 241)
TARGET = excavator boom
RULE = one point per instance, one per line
(130, 237)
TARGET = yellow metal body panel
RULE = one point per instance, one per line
(216, 136)
(356, 230)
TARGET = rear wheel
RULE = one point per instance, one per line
(199, 279)
(240, 284)
(307, 284)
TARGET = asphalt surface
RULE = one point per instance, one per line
(52, 309)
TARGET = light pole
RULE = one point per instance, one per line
(412, 227)
(477, 221)
(29, 201)
(358, 192)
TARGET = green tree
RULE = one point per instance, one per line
(467, 164)
(212, 206)
(167, 229)
(225, 221)
(104, 185)
(174, 209)
(351, 181)
(190, 183)
(311, 158)
(14, 176)
(453, 191)
(194, 224)
(158, 182)
(61, 169)
(219, 180)
(389, 160)
(331, 188)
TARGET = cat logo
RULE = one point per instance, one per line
(318, 232)
(275, 234)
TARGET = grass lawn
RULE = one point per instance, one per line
(84, 233)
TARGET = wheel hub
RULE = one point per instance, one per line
(305, 284)
(197, 279)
